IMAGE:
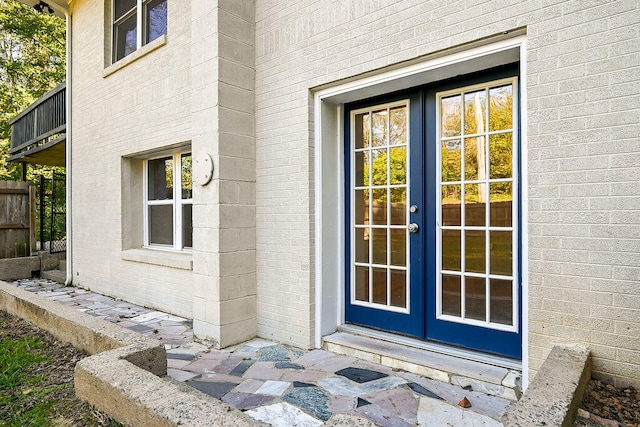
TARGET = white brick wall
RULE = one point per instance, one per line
(139, 107)
(583, 149)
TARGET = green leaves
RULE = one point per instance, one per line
(32, 61)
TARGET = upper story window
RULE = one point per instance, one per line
(131, 15)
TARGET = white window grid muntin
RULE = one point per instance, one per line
(140, 10)
(371, 265)
(177, 202)
(514, 327)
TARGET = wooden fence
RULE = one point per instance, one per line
(17, 219)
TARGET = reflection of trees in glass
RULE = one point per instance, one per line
(500, 144)
(397, 169)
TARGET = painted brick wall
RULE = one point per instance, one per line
(583, 113)
(142, 106)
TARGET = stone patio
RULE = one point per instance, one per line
(283, 385)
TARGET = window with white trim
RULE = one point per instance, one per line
(168, 202)
(131, 15)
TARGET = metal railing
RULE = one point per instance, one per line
(42, 122)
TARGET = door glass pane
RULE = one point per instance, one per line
(451, 110)
(156, 16)
(474, 204)
(501, 301)
(380, 173)
(160, 179)
(361, 244)
(501, 209)
(362, 168)
(398, 206)
(451, 202)
(475, 298)
(362, 130)
(501, 255)
(451, 250)
(501, 108)
(451, 304)
(475, 239)
(475, 112)
(398, 126)
(187, 226)
(380, 198)
(361, 206)
(475, 251)
(380, 128)
(362, 284)
(399, 247)
(399, 288)
(380, 206)
(161, 224)
(380, 246)
(451, 160)
(379, 285)
(186, 176)
(475, 164)
(398, 165)
(501, 155)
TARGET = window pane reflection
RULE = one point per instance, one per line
(501, 108)
(362, 130)
(475, 298)
(380, 128)
(398, 247)
(451, 202)
(451, 110)
(160, 179)
(379, 285)
(451, 304)
(161, 224)
(398, 288)
(501, 255)
(451, 160)
(475, 104)
(361, 244)
(451, 250)
(362, 284)
(379, 245)
(156, 15)
(475, 164)
(187, 226)
(501, 155)
(501, 209)
(475, 250)
(501, 307)
(474, 204)
(398, 206)
(186, 176)
(398, 165)
(398, 126)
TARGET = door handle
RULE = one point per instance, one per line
(413, 227)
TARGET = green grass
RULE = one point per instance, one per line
(22, 402)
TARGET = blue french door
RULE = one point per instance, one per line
(433, 213)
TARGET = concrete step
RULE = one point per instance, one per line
(55, 275)
(63, 265)
(491, 375)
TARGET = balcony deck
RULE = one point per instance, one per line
(38, 134)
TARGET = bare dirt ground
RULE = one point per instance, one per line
(55, 376)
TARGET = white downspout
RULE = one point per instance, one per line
(64, 8)
(68, 168)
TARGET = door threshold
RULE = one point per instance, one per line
(494, 375)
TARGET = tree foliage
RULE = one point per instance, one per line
(32, 61)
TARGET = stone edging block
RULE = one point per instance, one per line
(554, 395)
(126, 375)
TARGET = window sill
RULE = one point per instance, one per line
(179, 260)
(134, 56)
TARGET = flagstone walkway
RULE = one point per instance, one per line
(283, 385)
